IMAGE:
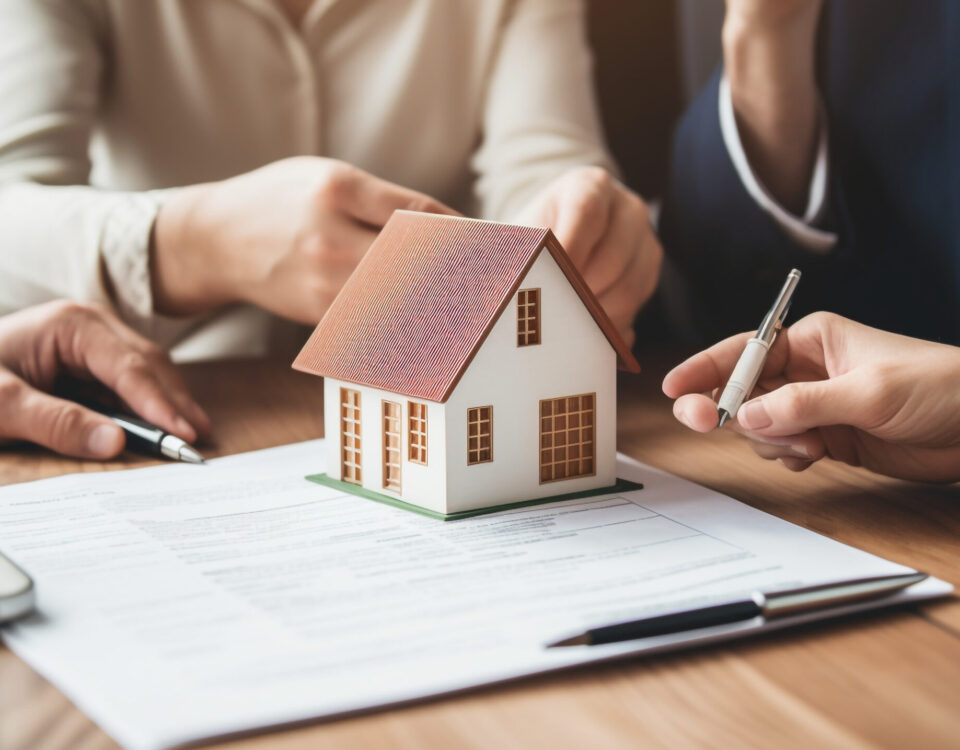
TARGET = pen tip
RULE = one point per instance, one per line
(577, 640)
(724, 416)
(189, 455)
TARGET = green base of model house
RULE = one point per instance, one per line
(622, 485)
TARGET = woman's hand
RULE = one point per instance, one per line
(605, 229)
(40, 344)
(284, 237)
(832, 387)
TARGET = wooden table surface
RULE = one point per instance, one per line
(889, 680)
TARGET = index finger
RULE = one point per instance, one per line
(371, 200)
(710, 368)
(136, 370)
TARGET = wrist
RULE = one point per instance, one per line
(186, 276)
(770, 71)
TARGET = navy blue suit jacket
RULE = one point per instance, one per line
(889, 75)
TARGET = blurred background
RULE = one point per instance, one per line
(665, 51)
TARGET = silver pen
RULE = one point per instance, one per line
(750, 365)
(144, 437)
(768, 605)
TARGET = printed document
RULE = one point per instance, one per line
(182, 602)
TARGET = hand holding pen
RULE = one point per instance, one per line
(41, 344)
(832, 387)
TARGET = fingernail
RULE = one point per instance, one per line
(680, 414)
(801, 450)
(753, 415)
(105, 440)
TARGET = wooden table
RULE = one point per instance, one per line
(890, 680)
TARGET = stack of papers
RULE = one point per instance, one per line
(181, 602)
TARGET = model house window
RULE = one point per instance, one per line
(567, 447)
(528, 317)
(350, 463)
(479, 435)
(417, 426)
(391, 445)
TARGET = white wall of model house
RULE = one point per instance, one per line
(573, 358)
(419, 484)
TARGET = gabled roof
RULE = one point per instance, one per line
(423, 299)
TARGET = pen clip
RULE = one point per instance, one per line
(775, 317)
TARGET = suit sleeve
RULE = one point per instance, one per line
(732, 253)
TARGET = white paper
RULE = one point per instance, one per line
(183, 602)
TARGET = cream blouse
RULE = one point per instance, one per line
(106, 103)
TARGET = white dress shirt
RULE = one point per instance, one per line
(106, 104)
(799, 228)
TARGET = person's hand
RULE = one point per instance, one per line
(832, 387)
(605, 229)
(41, 344)
(284, 237)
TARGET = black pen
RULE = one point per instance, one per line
(144, 437)
(769, 606)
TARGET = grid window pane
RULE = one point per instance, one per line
(479, 435)
(350, 461)
(570, 433)
(391, 446)
(528, 317)
(417, 428)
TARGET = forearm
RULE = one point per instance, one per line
(59, 237)
(540, 117)
(185, 275)
(770, 68)
(83, 244)
(723, 242)
(73, 242)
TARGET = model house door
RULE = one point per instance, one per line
(567, 435)
(391, 446)
(350, 467)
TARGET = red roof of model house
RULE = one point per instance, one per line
(421, 302)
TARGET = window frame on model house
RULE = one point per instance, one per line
(417, 433)
(568, 437)
(391, 416)
(528, 317)
(351, 448)
(477, 452)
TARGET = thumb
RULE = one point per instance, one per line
(60, 425)
(797, 407)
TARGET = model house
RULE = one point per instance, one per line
(466, 365)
